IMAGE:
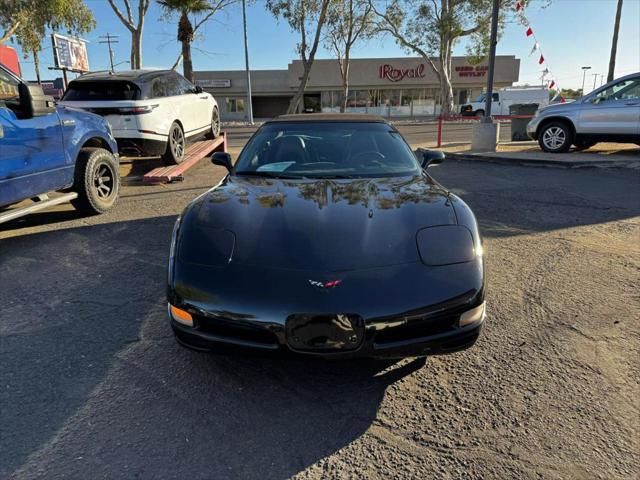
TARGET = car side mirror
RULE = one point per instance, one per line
(431, 157)
(34, 102)
(223, 159)
(198, 89)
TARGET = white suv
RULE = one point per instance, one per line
(151, 112)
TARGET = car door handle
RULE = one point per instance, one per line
(203, 98)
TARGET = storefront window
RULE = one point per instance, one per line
(235, 105)
(325, 98)
(386, 102)
(423, 101)
(332, 100)
(398, 107)
(358, 101)
(461, 96)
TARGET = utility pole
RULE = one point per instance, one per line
(595, 79)
(485, 134)
(584, 74)
(246, 63)
(109, 40)
(492, 60)
(614, 42)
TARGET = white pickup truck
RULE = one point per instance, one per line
(504, 98)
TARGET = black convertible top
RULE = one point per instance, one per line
(329, 117)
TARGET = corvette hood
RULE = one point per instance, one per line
(324, 225)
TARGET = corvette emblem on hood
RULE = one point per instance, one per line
(327, 285)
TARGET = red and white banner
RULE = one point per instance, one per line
(524, 21)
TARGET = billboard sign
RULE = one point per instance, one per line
(70, 53)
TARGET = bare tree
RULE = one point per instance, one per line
(614, 43)
(431, 28)
(348, 21)
(135, 27)
(302, 15)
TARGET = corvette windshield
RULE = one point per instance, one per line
(327, 150)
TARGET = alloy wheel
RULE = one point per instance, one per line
(177, 142)
(554, 137)
(103, 180)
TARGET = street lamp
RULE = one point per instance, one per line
(584, 74)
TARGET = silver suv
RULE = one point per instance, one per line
(609, 114)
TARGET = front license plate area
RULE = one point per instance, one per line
(324, 333)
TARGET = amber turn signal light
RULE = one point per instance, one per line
(181, 316)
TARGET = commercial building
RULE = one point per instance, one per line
(391, 87)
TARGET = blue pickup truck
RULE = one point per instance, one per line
(45, 149)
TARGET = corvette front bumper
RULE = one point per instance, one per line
(433, 331)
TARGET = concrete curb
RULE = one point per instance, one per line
(530, 162)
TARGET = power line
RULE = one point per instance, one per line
(109, 40)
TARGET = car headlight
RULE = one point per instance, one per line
(208, 246)
(446, 245)
(474, 315)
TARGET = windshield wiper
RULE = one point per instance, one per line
(336, 177)
(268, 175)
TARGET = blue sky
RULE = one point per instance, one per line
(572, 33)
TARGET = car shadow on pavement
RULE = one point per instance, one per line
(94, 385)
(515, 200)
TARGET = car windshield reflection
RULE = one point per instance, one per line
(327, 150)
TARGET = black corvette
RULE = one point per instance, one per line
(327, 238)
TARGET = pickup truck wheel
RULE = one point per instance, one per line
(176, 146)
(97, 181)
(214, 131)
(555, 137)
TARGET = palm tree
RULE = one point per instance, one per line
(187, 30)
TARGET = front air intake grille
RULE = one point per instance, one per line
(417, 328)
(236, 330)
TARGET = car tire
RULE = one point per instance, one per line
(555, 137)
(176, 146)
(583, 144)
(96, 181)
(214, 131)
(478, 113)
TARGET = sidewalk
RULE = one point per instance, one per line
(602, 155)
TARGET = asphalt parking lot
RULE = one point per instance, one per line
(94, 386)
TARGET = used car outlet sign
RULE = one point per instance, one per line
(397, 74)
(469, 71)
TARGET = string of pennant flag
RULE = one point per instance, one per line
(524, 21)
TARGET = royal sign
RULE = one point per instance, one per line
(398, 74)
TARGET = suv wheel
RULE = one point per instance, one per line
(214, 131)
(96, 182)
(555, 137)
(176, 145)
